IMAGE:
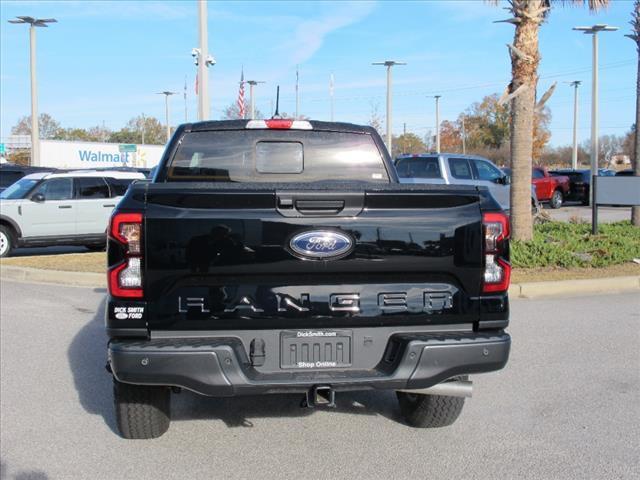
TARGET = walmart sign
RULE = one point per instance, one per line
(62, 154)
(93, 156)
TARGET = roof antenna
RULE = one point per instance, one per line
(276, 114)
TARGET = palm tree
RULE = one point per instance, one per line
(527, 16)
(635, 36)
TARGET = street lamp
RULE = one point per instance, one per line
(437, 97)
(574, 156)
(167, 94)
(389, 64)
(204, 61)
(594, 30)
(35, 131)
(252, 100)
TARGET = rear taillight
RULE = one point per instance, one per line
(497, 270)
(125, 278)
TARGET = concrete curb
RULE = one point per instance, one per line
(575, 287)
(516, 290)
(58, 277)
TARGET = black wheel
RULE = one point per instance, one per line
(556, 199)
(100, 247)
(141, 411)
(429, 411)
(6, 241)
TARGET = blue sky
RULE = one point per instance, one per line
(104, 61)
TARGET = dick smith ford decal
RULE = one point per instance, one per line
(321, 244)
(131, 313)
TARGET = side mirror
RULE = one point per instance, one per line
(38, 198)
(506, 180)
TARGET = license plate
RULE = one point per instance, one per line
(315, 349)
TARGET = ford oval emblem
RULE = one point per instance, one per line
(321, 245)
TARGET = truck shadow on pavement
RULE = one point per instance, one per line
(22, 475)
(87, 356)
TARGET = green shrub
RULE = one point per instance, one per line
(561, 244)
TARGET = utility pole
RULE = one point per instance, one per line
(574, 154)
(404, 134)
(297, 93)
(186, 116)
(331, 95)
(389, 64)
(252, 99)
(167, 94)
(437, 97)
(593, 30)
(143, 127)
(464, 140)
(35, 128)
(203, 63)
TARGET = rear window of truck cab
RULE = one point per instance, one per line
(276, 156)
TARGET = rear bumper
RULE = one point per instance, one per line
(220, 367)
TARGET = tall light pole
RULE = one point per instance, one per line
(437, 97)
(574, 155)
(297, 93)
(252, 99)
(35, 130)
(389, 64)
(167, 94)
(594, 30)
(203, 63)
(144, 120)
(331, 95)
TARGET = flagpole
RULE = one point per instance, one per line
(297, 96)
(241, 111)
(186, 116)
(331, 94)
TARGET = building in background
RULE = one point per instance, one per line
(71, 154)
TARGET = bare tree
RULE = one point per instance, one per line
(375, 120)
(49, 128)
(527, 16)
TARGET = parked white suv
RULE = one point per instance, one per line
(70, 208)
(458, 169)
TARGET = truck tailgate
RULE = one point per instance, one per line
(219, 259)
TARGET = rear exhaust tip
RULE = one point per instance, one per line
(454, 388)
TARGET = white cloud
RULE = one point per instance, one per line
(309, 35)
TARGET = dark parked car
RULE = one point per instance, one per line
(10, 173)
(580, 184)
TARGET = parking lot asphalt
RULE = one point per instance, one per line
(573, 210)
(26, 252)
(566, 406)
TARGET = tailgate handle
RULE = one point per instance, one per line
(319, 203)
(319, 206)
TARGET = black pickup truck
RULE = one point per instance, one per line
(273, 256)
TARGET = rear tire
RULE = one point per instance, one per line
(6, 241)
(556, 199)
(142, 412)
(429, 411)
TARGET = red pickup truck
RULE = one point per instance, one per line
(550, 188)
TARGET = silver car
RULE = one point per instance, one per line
(458, 169)
(71, 208)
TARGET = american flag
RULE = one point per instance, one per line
(241, 112)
